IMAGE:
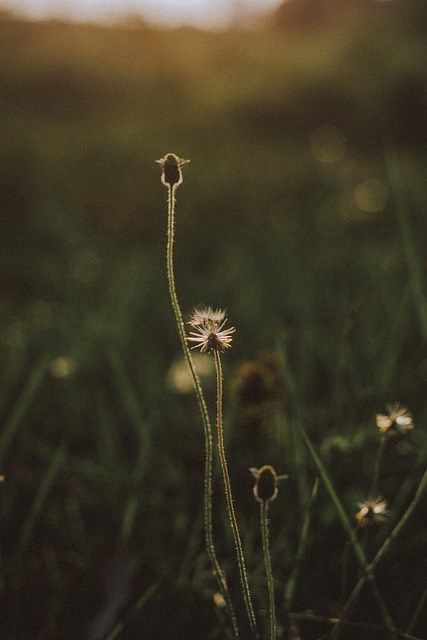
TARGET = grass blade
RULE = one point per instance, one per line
(357, 548)
(39, 500)
(21, 407)
(292, 580)
(384, 548)
(416, 279)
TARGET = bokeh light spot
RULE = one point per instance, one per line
(62, 367)
(179, 375)
(371, 195)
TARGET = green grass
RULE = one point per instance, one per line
(101, 508)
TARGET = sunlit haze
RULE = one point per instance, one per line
(203, 13)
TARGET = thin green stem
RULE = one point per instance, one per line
(368, 570)
(410, 249)
(229, 497)
(146, 597)
(310, 617)
(10, 428)
(207, 429)
(302, 542)
(357, 547)
(41, 496)
(268, 570)
(420, 606)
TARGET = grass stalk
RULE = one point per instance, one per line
(207, 429)
(302, 541)
(368, 571)
(351, 534)
(22, 405)
(133, 410)
(41, 496)
(146, 597)
(310, 617)
(229, 497)
(416, 280)
(418, 609)
(268, 570)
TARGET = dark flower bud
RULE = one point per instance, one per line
(171, 169)
(265, 488)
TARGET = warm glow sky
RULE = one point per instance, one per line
(198, 12)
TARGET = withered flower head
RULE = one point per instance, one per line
(209, 334)
(208, 318)
(266, 481)
(171, 169)
(370, 511)
(398, 419)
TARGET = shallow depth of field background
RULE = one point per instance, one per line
(307, 135)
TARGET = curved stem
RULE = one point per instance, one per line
(268, 570)
(229, 497)
(357, 547)
(207, 429)
(369, 569)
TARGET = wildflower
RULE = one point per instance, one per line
(398, 419)
(209, 334)
(207, 318)
(371, 511)
(265, 489)
(171, 169)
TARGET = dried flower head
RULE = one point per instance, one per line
(171, 169)
(208, 318)
(266, 481)
(398, 420)
(371, 511)
(209, 334)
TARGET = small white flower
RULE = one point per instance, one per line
(397, 419)
(370, 511)
(209, 334)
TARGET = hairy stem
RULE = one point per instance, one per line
(210, 547)
(240, 557)
(268, 570)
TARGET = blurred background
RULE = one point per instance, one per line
(302, 212)
(199, 13)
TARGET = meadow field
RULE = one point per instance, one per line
(302, 212)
